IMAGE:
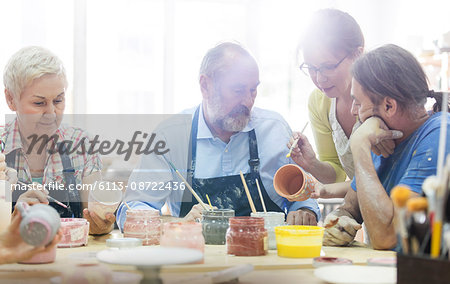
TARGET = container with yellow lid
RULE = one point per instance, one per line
(299, 241)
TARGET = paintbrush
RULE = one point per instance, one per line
(400, 195)
(199, 200)
(49, 198)
(249, 197)
(126, 204)
(435, 188)
(260, 196)
(209, 201)
(295, 142)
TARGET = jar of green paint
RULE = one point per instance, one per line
(215, 224)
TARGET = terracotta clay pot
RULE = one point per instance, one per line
(293, 183)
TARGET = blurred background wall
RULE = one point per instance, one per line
(143, 56)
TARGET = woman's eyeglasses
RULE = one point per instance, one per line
(325, 70)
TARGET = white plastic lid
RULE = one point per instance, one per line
(124, 243)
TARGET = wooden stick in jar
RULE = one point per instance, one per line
(250, 200)
(260, 196)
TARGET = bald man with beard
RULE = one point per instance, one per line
(227, 135)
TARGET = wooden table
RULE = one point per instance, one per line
(268, 269)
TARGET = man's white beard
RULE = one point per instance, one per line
(235, 124)
(235, 121)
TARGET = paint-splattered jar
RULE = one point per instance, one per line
(183, 234)
(247, 236)
(143, 224)
(75, 232)
(215, 224)
(271, 220)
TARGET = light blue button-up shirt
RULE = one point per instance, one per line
(215, 158)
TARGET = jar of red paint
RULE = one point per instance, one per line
(247, 236)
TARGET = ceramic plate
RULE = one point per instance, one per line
(352, 274)
(150, 256)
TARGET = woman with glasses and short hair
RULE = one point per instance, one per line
(332, 42)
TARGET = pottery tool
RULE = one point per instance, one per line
(49, 198)
(249, 197)
(400, 195)
(126, 204)
(209, 201)
(260, 196)
(188, 186)
(295, 142)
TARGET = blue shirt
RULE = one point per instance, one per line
(414, 159)
(216, 158)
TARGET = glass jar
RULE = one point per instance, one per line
(215, 225)
(183, 234)
(247, 236)
(271, 220)
(74, 231)
(143, 224)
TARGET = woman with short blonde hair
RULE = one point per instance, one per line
(35, 88)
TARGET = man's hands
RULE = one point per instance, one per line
(302, 216)
(375, 134)
(14, 249)
(97, 225)
(195, 213)
(339, 230)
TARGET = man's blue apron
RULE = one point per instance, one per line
(226, 192)
(71, 198)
